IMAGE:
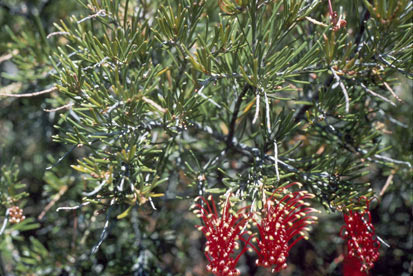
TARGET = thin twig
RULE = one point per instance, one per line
(199, 92)
(235, 115)
(382, 241)
(267, 113)
(53, 201)
(377, 95)
(394, 121)
(96, 190)
(391, 160)
(343, 89)
(395, 67)
(257, 108)
(101, 13)
(56, 33)
(50, 90)
(154, 104)
(387, 184)
(315, 22)
(73, 208)
(105, 230)
(68, 106)
(392, 92)
(276, 160)
(61, 158)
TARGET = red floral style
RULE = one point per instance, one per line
(338, 22)
(282, 220)
(222, 234)
(361, 242)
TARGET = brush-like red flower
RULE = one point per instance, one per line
(282, 221)
(222, 234)
(361, 241)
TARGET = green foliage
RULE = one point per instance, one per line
(158, 102)
(11, 190)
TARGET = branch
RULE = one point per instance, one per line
(199, 92)
(101, 13)
(377, 95)
(354, 149)
(251, 151)
(315, 22)
(55, 198)
(61, 158)
(68, 106)
(57, 33)
(154, 104)
(74, 207)
(357, 40)
(235, 115)
(391, 160)
(392, 92)
(50, 90)
(343, 89)
(395, 67)
(257, 108)
(387, 184)
(105, 230)
(267, 113)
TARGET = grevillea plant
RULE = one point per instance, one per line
(362, 245)
(222, 231)
(122, 112)
(282, 224)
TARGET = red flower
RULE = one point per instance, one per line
(361, 243)
(352, 266)
(281, 221)
(222, 234)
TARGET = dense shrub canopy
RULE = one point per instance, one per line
(116, 115)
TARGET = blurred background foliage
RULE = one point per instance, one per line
(313, 132)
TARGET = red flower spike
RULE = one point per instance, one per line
(361, 242)
(222, 234)
(282, 221)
